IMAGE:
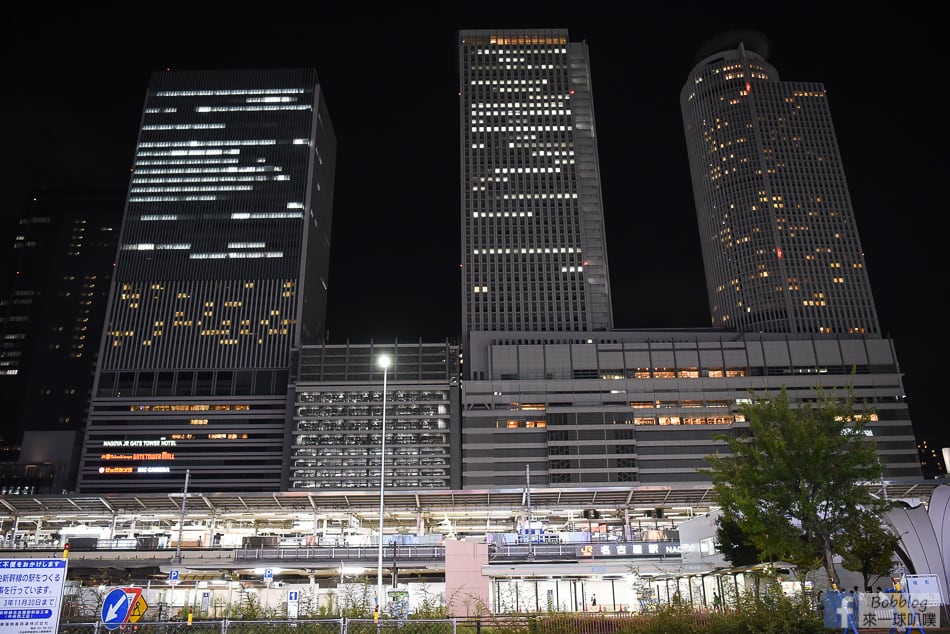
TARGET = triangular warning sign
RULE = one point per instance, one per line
(137, 611)
(137, 604)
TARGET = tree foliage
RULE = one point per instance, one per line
(735, 545)
(868, 547)
(797, 482)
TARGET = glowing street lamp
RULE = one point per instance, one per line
(383, 362)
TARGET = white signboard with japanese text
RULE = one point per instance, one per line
(31, 595)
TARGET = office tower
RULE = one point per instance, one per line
(335, 437)
(222, 271)
(51, 314)
(533, 242)
(644, 408)
(779, 239)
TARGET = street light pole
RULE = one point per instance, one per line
(383, 362)
(181, 516)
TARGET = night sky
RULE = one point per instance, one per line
(75, 78)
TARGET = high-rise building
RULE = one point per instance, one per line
(779, 238)
(222, 270)
(789, 291)
(51, 311)
(533, 241)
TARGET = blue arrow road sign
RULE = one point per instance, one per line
(115, 609)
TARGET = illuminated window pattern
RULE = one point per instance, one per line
(229, 200)
(775, 213)
(532, 217)
(647, 407)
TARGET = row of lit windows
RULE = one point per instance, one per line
(229, 92)
(660, 373)
(482, 117)
(219, 176)
(203, 198)
(505, 214)
(207, 152)
(190, 408)
(217, 159)
(193, 143)
(519, 128)
(209, 188)
(525, 251)
(688, 420)
(525, 424)
(495, 108)
(186, 126)
(251, 108)
(236, 255)
(721, 403)
(151, 246)
(725, 419)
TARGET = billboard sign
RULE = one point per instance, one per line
(31, 595)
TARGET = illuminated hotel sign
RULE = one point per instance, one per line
(128, 470)
(161, 442)
(162, 455)
(137, 456)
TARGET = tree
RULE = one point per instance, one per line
(869, 548)
(735, 545)
(795, 482)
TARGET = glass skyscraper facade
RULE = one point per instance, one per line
(221, 271)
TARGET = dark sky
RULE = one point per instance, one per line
(75, 77)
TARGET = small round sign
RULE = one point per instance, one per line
(115, 608)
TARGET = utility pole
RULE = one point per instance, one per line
(395, 566)
(527, 489)
(181, 516)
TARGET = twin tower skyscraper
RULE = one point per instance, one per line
(223, 273)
